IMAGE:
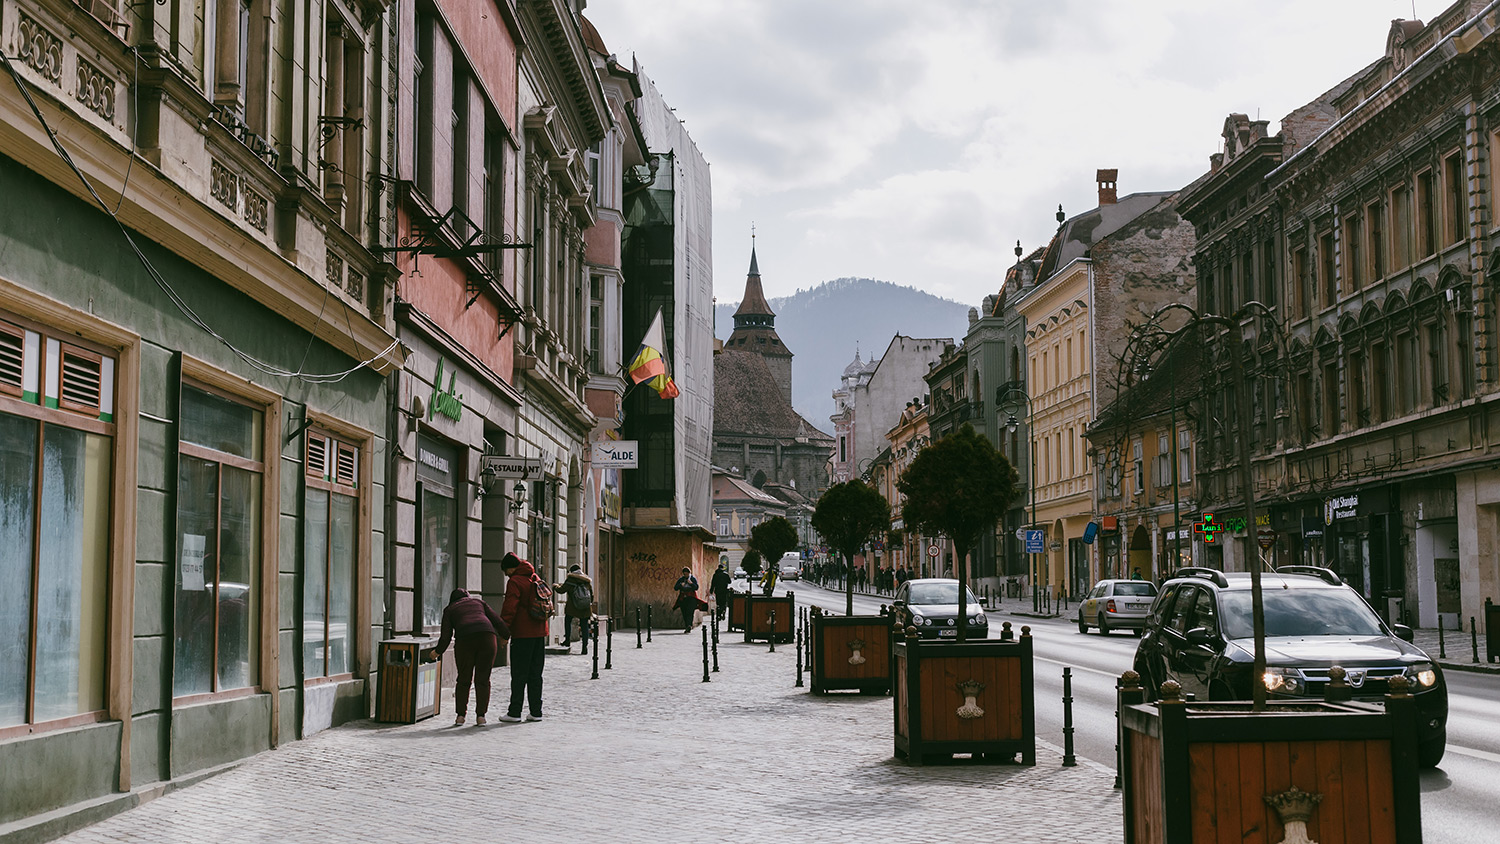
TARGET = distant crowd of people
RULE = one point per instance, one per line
(885, 580)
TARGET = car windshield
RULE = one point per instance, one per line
(1133, 588)
(1300, 612)
(937, 593)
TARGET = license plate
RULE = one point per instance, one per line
(953, 633)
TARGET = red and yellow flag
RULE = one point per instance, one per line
(650, 363)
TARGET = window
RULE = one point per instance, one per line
(1210, 301)
(1056, 365)
(1044, 369)
(1305, 418)
(1301, 284)
(1138, 465)
(1358, 407)
(219, 471)
(55, 475)
(1331, 410)
(1380, 402)
(1327, 279)
(723, 526)
(1455, 218)
(1426, 222)
(1375, 231)
(1072, 453)
(1353, 268)
(1163, 459)
(596, 320)
(843, 449)
(1269, 288)
(232, 66)
(1406, 371)
(329, 548)
(1069, 371)
(1184, 456)
(494, 193)
(1083, 353)
(341, 124)
(1247, 276)
(425, 96)
(1437, 362)
(1400, 227)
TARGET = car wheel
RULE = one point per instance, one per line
(1083, 626)
(1103, 625)
(1430, 752)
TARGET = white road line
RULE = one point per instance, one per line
(1474, 754)
(1108, 674)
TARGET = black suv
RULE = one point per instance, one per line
(1200, 633)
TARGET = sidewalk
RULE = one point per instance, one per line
(646, 753)
(1460, 648)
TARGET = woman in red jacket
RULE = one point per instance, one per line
(479, 631)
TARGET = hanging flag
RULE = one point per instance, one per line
(650, 363)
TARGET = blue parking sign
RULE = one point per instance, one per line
(1034, 542)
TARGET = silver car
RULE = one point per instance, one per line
(1116, 605)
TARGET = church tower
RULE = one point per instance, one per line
(755, 330)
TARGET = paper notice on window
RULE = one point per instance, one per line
(192, 562)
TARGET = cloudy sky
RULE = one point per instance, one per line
(916, 142)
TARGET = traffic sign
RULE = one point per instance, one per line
(1266, 537)
(933, 550)
(1035, 543)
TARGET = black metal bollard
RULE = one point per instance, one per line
(1442, 644)
(772, 636)
(638, 627)
(583, 634)
(716, 646)
(705, 653)
(594, 628)
(799, 657)
(1474, 637)
(648, 622)
(609, 643)
(1069, 760)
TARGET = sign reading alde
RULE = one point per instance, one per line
(616, 454)
(447, 402)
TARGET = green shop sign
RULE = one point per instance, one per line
(447, 402)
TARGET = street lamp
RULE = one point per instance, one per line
(1002, 397)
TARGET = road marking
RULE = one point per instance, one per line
(1108, 674)
(1474, 754)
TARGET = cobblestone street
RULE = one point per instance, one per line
(646, 753)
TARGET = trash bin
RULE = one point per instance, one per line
(1492, 630)
(409, 687)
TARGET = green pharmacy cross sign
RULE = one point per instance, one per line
(1208, 528)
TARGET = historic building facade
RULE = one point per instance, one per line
(871, 395)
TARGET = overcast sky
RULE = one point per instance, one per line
(916, 142)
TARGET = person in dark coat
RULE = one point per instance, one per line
(687, 597)
(579, 604)
(528, 644)
(476, 631)
(720, 585)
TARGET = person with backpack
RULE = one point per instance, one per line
(720, 586)
(528, 606)
(687, 597)
(579, 604)
(476, 632)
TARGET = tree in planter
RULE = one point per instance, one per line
(958, 487)
(772, 538)
(751, 563)
(849, 515)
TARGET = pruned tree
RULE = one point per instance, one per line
(751, 562)
(958, 487)
(772, 538)
(848, 516)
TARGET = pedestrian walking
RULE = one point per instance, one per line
(720, 586)
(476, 631)
(579, 604)
(527, 608)
(687, 598)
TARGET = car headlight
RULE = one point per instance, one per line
(917, 620)
(1422, 675)
(1286, 681)
(977, 618)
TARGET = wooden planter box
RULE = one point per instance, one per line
(737, 602)
(758, 624)
(973, 697)
(851, 652)
(1201, 773)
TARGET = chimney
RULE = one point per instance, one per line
(1106, 179)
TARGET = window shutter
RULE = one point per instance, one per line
(317, 456)
(12, 358)
(345, 468)
(82, 383)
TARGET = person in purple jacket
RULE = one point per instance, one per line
(476, 631)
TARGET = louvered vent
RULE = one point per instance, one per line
(82, 384)
(317, 456)
(345, 472)
(11, 347)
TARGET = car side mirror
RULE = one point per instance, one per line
(1200, 636)
(1403, 632)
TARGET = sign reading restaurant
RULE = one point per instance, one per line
(512, 468)
(1343, 507)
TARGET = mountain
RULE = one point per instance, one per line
(823, 326)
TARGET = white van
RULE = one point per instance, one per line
(790, 566)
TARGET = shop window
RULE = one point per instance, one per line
(329, 550)
(219, 512)
(55, 472)
(439, 527)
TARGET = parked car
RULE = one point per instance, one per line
(740, 573)
(1116, 605)
(933, 605)
(1200, 633)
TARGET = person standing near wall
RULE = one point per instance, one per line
(525, 612)
(579, 604)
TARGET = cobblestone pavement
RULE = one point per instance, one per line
(647, 753)
(1462, 655)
